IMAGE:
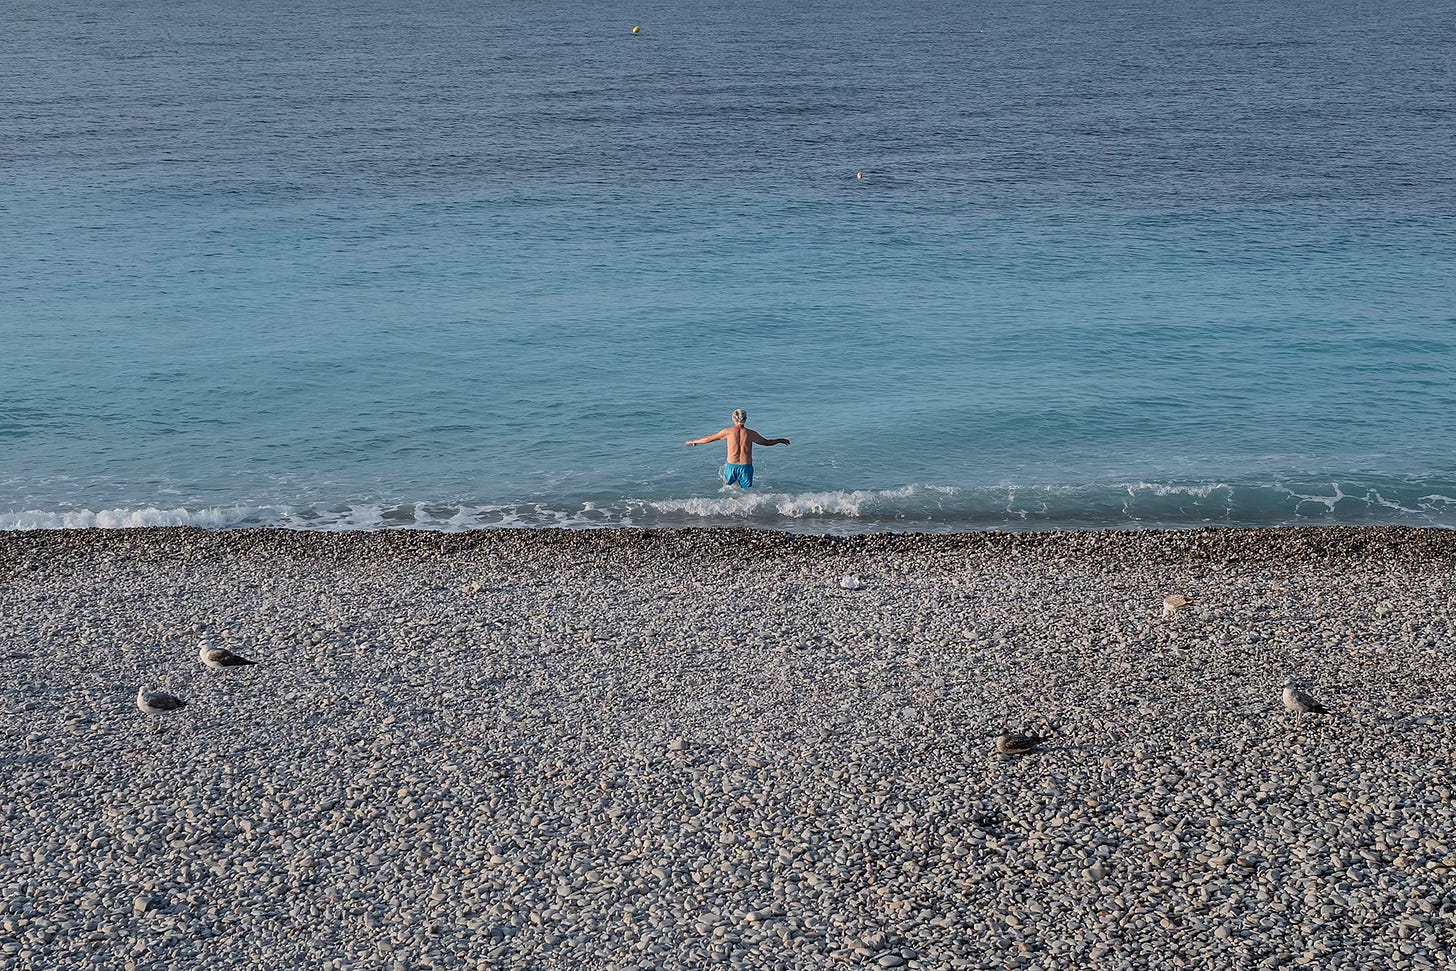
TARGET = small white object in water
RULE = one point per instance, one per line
(220, 657)
(850, 582)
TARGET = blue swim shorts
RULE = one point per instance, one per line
(738, 475)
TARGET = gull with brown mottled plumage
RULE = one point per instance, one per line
(220, 657)
(1301, 702)
(1175, 602)
(1024, 742)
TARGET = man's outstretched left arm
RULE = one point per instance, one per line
(707, 438)
(760, 440)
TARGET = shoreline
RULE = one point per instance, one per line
(1331, 540)
(672, 748)
(1331, 499)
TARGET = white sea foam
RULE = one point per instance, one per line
(798, 505)
(917, 506)
(1167, 489)
(209, 517)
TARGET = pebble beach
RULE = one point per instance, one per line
(625, 749)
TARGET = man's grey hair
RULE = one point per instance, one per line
(739, 416)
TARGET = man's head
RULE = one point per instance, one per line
(739, 416)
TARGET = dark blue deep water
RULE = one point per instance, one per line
(455, 264)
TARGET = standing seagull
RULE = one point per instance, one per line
(220, 657)
(1301, 702)
(157, 703)
(1175, 602)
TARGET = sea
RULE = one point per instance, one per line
(453, 264)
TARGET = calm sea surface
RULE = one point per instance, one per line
(454, 264)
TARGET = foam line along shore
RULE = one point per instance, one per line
(619, 748)
(1426, 500)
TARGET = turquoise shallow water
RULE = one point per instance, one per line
(455, 265)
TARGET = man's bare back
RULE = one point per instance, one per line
(740, 439)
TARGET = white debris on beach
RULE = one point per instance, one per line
(682, 749)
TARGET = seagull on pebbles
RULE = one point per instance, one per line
(157, 703)
(1173, 603)
(1302, 702)
(1022, 743)
(220, 657)
(850, 582)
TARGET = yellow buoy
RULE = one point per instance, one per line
(636, 29)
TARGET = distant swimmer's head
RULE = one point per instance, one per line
(739, 416)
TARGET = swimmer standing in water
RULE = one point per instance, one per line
(739, 468)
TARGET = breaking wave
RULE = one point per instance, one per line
(929, 508)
